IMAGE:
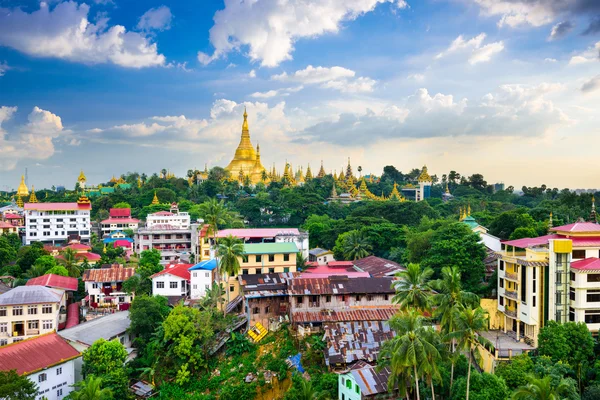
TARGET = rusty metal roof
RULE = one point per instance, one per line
(365, 314)
(532, 263)
(348, 342)
(370, 381)
(112, 274)
(377, 266)
(339, 285)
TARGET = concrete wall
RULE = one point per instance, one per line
(55, 382)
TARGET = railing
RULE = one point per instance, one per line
(511, 294)
(511, 312)
(512, 276)
(33, 332)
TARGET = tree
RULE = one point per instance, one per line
(146, 313)
(515, 371)
(105, 359)
(7, 252)
(230, 250)
(16, 387)
(352, 245)
(469, 322)
(58, 270)
(412, 288)
(484, 386)
(543, 389)
(122, 204)
(301, 262)
(68, 260)
(90, 389)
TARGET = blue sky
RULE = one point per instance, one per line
(507, 88)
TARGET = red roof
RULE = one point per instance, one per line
(586, 241)
(32, 355)
(89, 256)
(72, 315)
(121, 221)
(587, 264)
(377, 266)
(54, 281)
(120, 212)
(258, 232)
(12, 216)
(122, 243)
(6, 225)
(529, 242)
(180, 270)
(340, 264)
(78, 246)
(112, 274)
(56, 206)
(578, 227)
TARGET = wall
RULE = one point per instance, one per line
(496, 317)
(166, 279)
(338, 302)
(344, 392)
(200, 280)
(59, 225)
(54, 382)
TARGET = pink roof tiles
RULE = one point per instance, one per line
(72, 315)
(587, 264)
(180, 270)
(123, 243)
(578, 227)
(56, 206)
(12, 216)
(258, 232)
(54, 281)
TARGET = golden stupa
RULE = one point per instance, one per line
(246, 160)
(22, 191)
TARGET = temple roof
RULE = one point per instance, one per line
(82, 177)
(424, 176)
(22, 191)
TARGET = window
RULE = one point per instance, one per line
(386, 297)
(357, 388)
(194, 286)
(42, 377)
(592, 317)
(256, 310)
(32, 310)
(286, 257)
(501, 265)
(173, 285)
(571, 314)
(121, 299)
(58, 370)
(47, 309)
(160, 285)
(524, 285)
(328, 298)
(271, 257)
(578, 254)
(3, 342)
(33, 324)
(2, 311)
(47, 324)
(231, 288)
(244, 271)
(59, 392)
(17, 310)
(593, 277)
(593, 296)
(533, 301)
(207, 274)
(572, 276)
(94, 285)
(572, 294)
(357, 298)
(194, 274)
(258, 258)
(501, 300)
(349, 384)
(286, 269)
(300, 300)
(267, 309)
(369, 297)
(3, 327)
(271, 270)
(501, 282)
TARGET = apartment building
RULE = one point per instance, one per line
(58, 222)
(271, 235)
(172, 242)
(173, 218)
(119, 220)
(550, 278)
(29, 311)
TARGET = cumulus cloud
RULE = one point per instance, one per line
(65, 32)
(550, 60)
(337, 78)
(591, 85)
(155, 19)
(34, 140)
(590, 55)
(474, 48)
(278, 92)
(560, 30)
(269, 28)
(514, 110)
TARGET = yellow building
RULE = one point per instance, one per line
(246, 161)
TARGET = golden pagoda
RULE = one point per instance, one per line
(113, 179)
(155, 200)
(309, 175)
(22, 191)
(139, 182)
(349, 170)
(19, 202)
(82, 180)
(321, 171)
(246, 160)
(395, 195)
(424, 176)
(33, 198)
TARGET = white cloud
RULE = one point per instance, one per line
(416, 77)
(252, 74)
(158, 19)
(590, 55)
(337, 78)
(550, 60)
(3, 68)
(269, 28)
(473, 47)
(34, 140)
(278, 92)
(65, 32)
(591, 85)
(561, 30)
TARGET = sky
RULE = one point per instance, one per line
(506, 88)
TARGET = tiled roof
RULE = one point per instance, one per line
(587, 264)
(180, 270)
(78, 246)
(258, 232)
(12, 216)
(578, 227)
(123, 243)
(270, 248)
(89, 256)
(32, 355)
(72, 315)
(339, 285)
(586, 241)
(365, 314)
(340, 264)
(163, 214)
(56, 206)
(206, 265)
(370, 381)
(377, 266)
(6, 225)
(347, 342)
(112, 274)
(31, 295)
(55, 281)
(120, 212)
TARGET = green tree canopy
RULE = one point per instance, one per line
(16, 387)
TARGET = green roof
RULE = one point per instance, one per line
(270, 248)
(470, 221)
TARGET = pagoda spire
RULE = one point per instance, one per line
(33, 198)
(447, 191)
(593, 213)
(395, 195)
(19, 202)
(468, 209)
(550, 222)
(22, 191)
(309, 175)
(348, 170)
(333, 191)
(321, 171)
(155, 199)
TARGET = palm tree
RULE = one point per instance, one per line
(412, 288)
(431, 369)
(413, 348)
(356, 245)
(90, 389)
(301, 262)
(448, 298)
(468, 323)
(69, 261)
(214, 214)
(230, 250)
(36, 270)
(307, 392)
(542, 389)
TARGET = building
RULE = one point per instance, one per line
(266, 297)
(82, 253)
(173, 218)
(422, 190)
(29, 311)
(320, 256)
(246, 164)
(377, 267)
(53, 281)
(550, 278)
(202, 276)
(364, 381)
(118, 239)
(119, 220)
(173, 243)
(271, 235)
(104, 287)
(490, 241)
(7, 228)
(47, 360)
(58, 222)
(172, 282)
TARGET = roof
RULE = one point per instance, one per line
(120, 212)
(180, 270)
(340, 264)
(266, 281)
(365, 314)
(72, 315)
(270, 248)
(317, 251)
(120, 221)
(530, 242)
(31, 295)
(56, 206)
(32, 355)
(12, 216)
(123, 242)
(6, 225)
(369, 380)
(107, 327)
(55, 281)
(89, 256)
(112, 274)
(470, 221)
(347, 342)
(162, 214)
(206, 265)
(258, 232)
(78, 246)
(587, 264)
(586, 241)
(340, 285)
(578, 227)
(377, 266)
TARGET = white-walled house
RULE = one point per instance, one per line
(104, 286)
(202, 276)
(173, 281)
(47, 360)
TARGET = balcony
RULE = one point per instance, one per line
(511, 294)
(511, 312)
(513, 276)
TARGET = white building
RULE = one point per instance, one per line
(172, 282)
(202, 276)
(104, 286)
(48, 361)
(320, 256)
(29, 311)
(173, 218)
(119, 220)
(58, 222)
(271, 235)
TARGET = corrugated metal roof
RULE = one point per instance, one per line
(348, 342)
(270, 248)
(377, 266)
(55, 281)
(107, 327)
(179, 270)
(206, 265)
(370, 381)
(372, 314)
(31, 295)
(340, 285)
(532, 263)
(112, 274)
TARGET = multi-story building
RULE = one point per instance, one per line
(550, 278)
(173, 218)
(172, 282)
(271, 235)
(7, 228)
(119, 220)
(173, 243)
(48, 361)
(29, 311)
(266, 297)
(104, 287)
(58, 222)
(202, 276)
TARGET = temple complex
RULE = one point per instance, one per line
(246, 162)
